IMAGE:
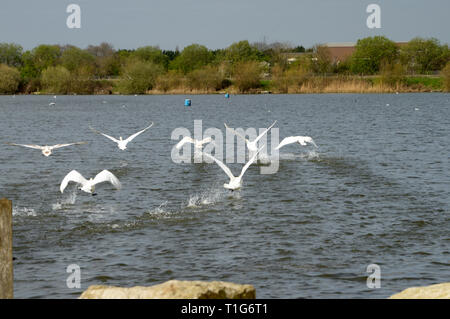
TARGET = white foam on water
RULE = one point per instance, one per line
(23, 211)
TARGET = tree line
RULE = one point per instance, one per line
(242, 67)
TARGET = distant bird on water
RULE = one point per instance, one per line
(88, 185)
(121, 143)
(46, 150)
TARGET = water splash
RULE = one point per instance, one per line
(206, 198)
(70, 200)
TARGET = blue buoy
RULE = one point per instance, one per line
(187, 102)
(227, 95)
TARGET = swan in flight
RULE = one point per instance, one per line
(46, 150)
(302, 140)
(121, 143)
(198, 144)
(88, 186)
(235, 182)
(253, 145)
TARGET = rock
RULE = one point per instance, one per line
(174, 289)
(439, 291)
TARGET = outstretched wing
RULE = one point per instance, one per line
(64, 145)
(222, 165)
(107, 176)
(236, 133)
(250, 162)
(184, 140)
(73, 176)
(107, 136)
(129, 139)
(263, 133)
(37, 147)
(286, 141)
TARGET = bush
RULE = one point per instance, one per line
(446, 77)
(9, 79)
(247, 75)
(169, 81)
(294, 77)
(392, 74)
(56, 80)
(138, 77)
(208, 78)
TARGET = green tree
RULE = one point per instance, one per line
(44, 56)
(138, 77)
(152, 54)
(242, 51)
(192, 57)
(74, 59)
(9, 79)
(371, 52)
(56, 80)
(425, 55)
(11, 54)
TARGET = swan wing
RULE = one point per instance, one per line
(129, 139)
(37, 147)
(250, 162)
(235, 133)
(73, 176)
(222, 165)
(105, 135)
(287, 140)
(107, 176)
(184, 140)
(264, 133)
(64, 145)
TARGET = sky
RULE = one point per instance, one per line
(217, 23)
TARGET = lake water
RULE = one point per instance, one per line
(376, 191)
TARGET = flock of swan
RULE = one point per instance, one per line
(235, 183)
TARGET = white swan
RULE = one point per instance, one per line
(88, 186)
(197, 143)
(46, 150)
(302, 140)
(235, 182)
(253, 145)
(121, 143)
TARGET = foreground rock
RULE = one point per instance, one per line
(174, 289)
(439, 291)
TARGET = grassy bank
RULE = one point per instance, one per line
(313, 84)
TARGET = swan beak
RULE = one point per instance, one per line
(94, 194)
